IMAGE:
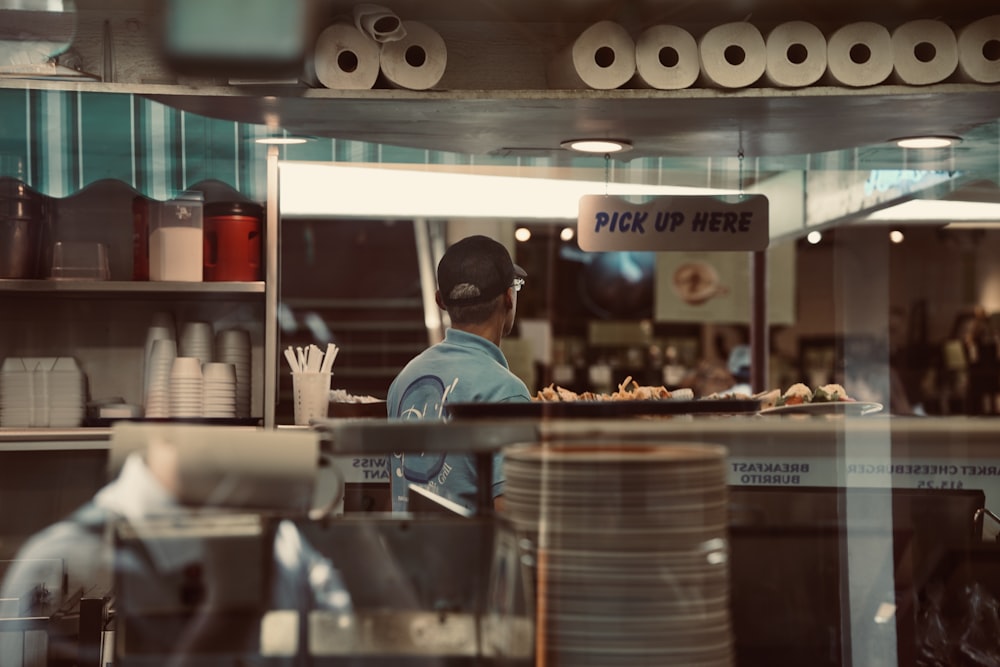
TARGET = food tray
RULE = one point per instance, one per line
(601, 409)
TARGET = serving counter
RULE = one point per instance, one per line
(840, 532)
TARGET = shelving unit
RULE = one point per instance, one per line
(237, 290)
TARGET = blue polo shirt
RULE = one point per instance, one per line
(463, 368)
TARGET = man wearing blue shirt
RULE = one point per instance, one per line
(478, 285)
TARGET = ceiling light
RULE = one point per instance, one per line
(937, 211)
(305, 191)
(597, 145)
(282, 141)
(814, 237)
(896, 236)
(931, 141)
(522, 234)
(567, 233)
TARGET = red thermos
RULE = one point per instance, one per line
(233, 241)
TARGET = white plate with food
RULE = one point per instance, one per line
(849, 408)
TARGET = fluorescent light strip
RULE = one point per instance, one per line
(310, 189)
(936, 210)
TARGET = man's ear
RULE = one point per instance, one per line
(437, 299)
(508, 298)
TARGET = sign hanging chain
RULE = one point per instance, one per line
(739, 155)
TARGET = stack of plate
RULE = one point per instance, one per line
(630, 551)
(16, 393)
(220, 390)
(232, 346)
(186, 387)
(42, 392)
(65, 392)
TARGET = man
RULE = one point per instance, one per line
(477, 285)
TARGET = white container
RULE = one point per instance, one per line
(176, 240)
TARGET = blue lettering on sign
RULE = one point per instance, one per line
(634, 222)
(624, 221)
(668, 221)
(722, 221)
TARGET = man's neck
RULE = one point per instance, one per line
(488, 330)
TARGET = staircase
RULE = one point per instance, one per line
(355, 283)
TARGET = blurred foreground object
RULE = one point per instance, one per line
(252, 38)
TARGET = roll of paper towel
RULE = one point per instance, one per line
(733, 55)
(418, 60)
(602, 57)
(345, 58)
(666, 58)
(924, 52)
(859, 54)
(796, 55)
(979, 50)
(378, 22)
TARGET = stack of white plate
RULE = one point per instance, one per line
(161, 362)
(16, 393)
(630, 551)
(186, 387)
(42, 392)
(65, 392)
(232, 346)
(220, 390)
(196, 340)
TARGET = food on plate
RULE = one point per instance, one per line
(799, 394)
(629, 390)
(796, 394)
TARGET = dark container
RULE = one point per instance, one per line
(233, 241)
(24, 230)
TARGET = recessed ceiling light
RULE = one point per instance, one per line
(282, 141)
(597, 145)
(935, 141)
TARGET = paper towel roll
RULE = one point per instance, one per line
(666, 58)
(418, 60)
(859, 54)
(223, 467)
(979, 50)
(796, 55)
(733, 55)
(378, 22)
(601, 57)
(924, 52)
(345, 58)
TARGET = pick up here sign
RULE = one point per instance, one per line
(679, 222)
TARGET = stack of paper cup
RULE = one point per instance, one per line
(232, 346)
(196, 341)
(186, 387)
(161, 361)
(219, 390)
(161, 328)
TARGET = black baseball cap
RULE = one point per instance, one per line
(475, 270)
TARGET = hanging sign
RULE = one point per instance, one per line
(679, 222)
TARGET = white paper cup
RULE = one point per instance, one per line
(312, 396)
